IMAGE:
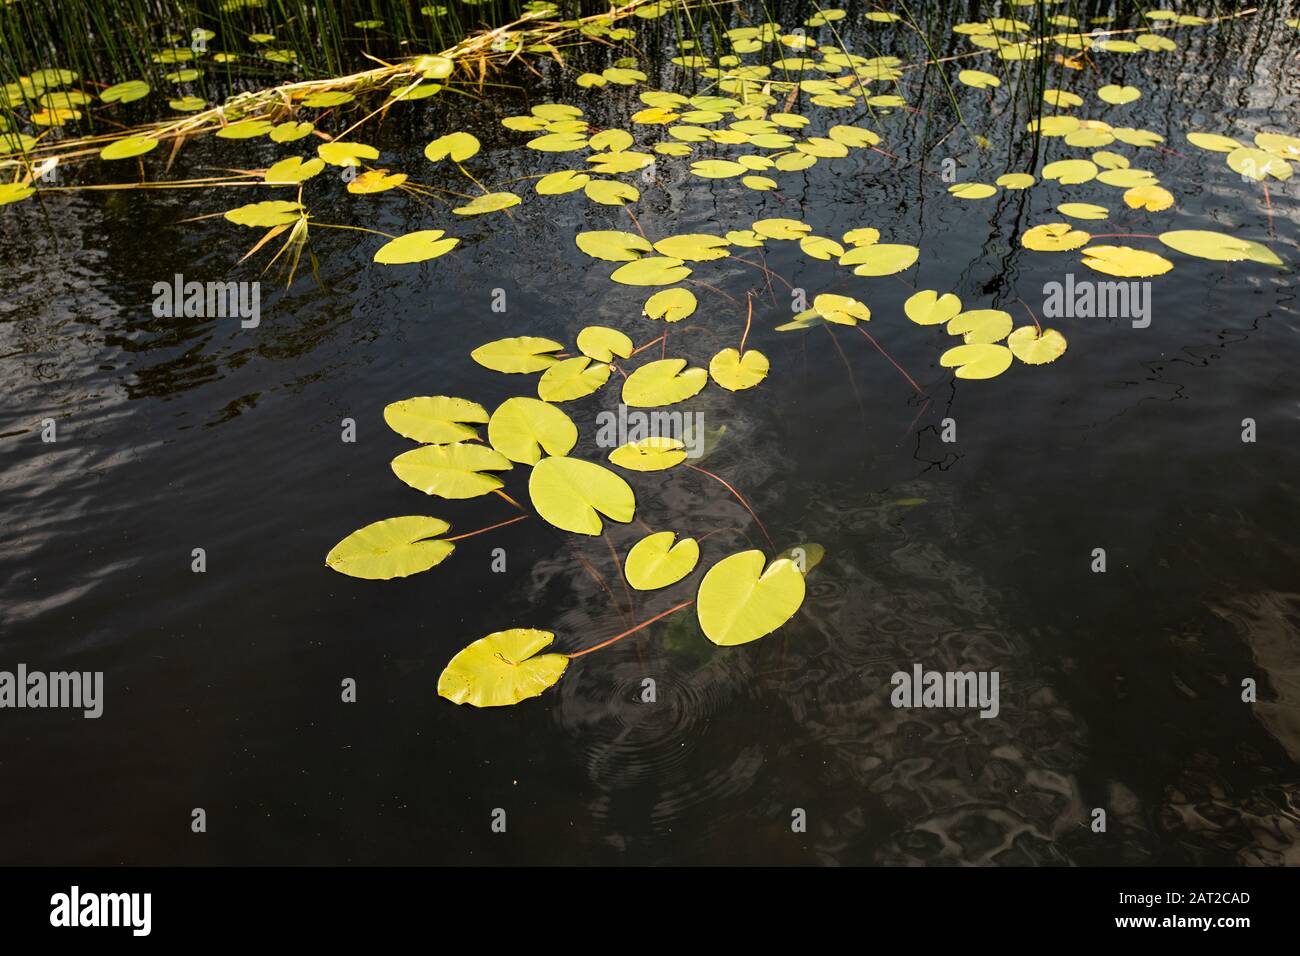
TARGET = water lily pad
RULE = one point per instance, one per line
(1083, 210)
(270, 212)
(340, 153)
(435, 419)
(977, 361)
(1034, 346)
(375, 181)
(392, 548)
(14, 192)
(1054, 237)
(1119, 95)
(880, 259)
(1150, 198)
(565, 181)
(488, 202)
(781, 228)
(128, 147)
(522, 428)
(1258, 165)
(841, 309)
(656, 562)
(522, 354)
(972, 190)
(612, 245)
(693, 247)
(655, 453)
(1218, 246)
(611, 192)
(502, 669)
(1070, 171)
(1214, 142)
(126, 92)
(928, 307)
(456, 146)
(290, 131)
(572, 494)
(981, 326)
(652, 270)
(603, 344)
(571, 379)
(1125, 261)
(415, 247)
(738, 601)
(819, 247)
(293, 169)
(736, 372)
(664, 382)
(457, 470)
(671, 305)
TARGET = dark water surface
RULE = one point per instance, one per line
(1119, 690)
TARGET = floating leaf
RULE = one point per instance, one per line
(671, 305)
(611, 192)
(326, 98)
(244, 129)
(662, 383)
(126, 92)
(415, 247)
(1150, 198)
(819, 247)
(736, 372)
(502, 669)
(488, 202)
(557, 142)
(392, 548)
(862, 236)
(1127, 178)
(458, 470)
(14, 192)
(693, 247)
(652, 270)
(127, 147)
(1070, 171)
(1214, 142)
(435, 419)
(375, 181)
(1257, 165)
(270, 212)
(1054, 237)
(293, 170)
(1119, 95)
(339, 153)
(602, 343)
(841, 309)
(1218, 246)
(739, 602)
(972, 190)
(571, 379)
(655, 562)
(978, 79)
(977, 361)
(880, 259)
(613, 246)
(655, 453)
(523, 354)
(572, 494)
(1035, 346)
(1125, 261)
(522, 428)
(565, 181)
(928, 307)
(781, 228)
(455, 146)
(981, 326)
(1083, 210)
(290, 131)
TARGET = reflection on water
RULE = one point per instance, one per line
(1118, 691)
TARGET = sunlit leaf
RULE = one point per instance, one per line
(613, 246)
(270, 212)
(571, 379)
(1125, 261)
(502, 669)
(972, 190)
(457, 147)
(664, 382)
(671, 305)
(340, 153)
(293, 170)
(393, 548)
(655, 453)
(656, 562)
(1034, 346)
(1257, 164)
(1214, 142)
(739, 601)
(522, 428)
(128, 147)
(1150, 198)
(928, 307)
(565, 181)
(611, 192)
(981, 326)
(572, 494)
(1083, 210)
(457, 470)
(435, 419)
(1119, 95)
(1218, 246)
(415, 247)
(603, 344)
(693, 247)
(517, 355)
(781, 228)
(736, 372)
(1070, 171)
(652, 270)
(880, 259)
(488, 202)
(977, 361)
(1054, 237)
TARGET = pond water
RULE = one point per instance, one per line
(1119, 690)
